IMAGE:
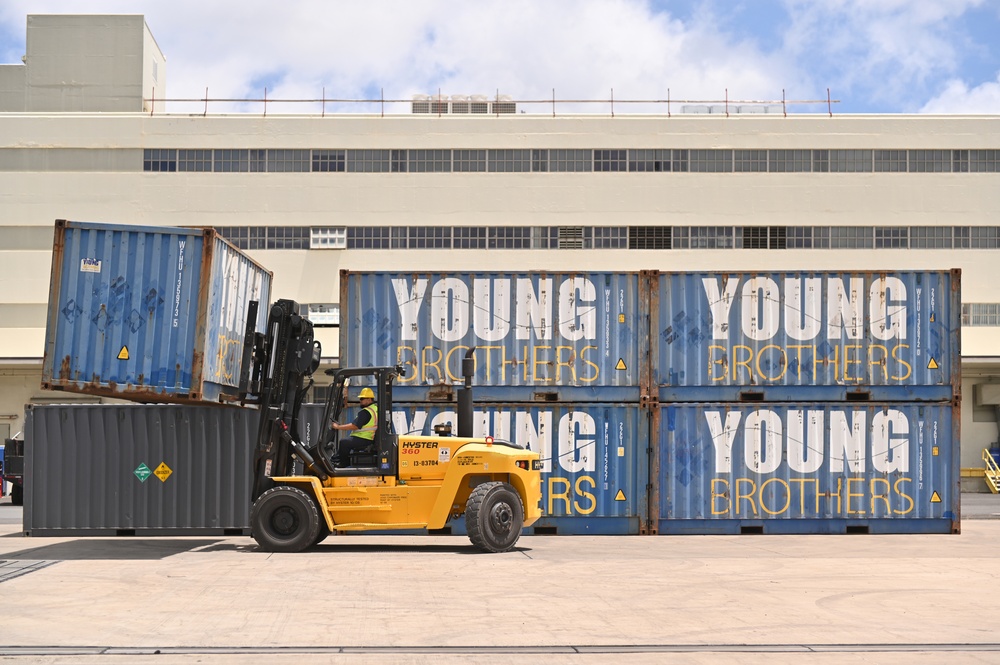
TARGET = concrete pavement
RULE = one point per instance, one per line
(700, 599)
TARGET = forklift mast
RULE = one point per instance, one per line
(281, 359)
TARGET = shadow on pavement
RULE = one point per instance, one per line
(118, 549)
(333, 547)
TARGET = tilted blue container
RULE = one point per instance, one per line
(595, 459)
(571, 337)
(150, 314)
(725, 336)
(807, 468)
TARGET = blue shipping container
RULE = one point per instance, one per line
(570, 337)
(807, 468)
(148, 314)
(807, 336)
(595, 457)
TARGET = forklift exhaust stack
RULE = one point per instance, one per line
(465, 415)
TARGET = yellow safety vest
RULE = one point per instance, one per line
(368, 432)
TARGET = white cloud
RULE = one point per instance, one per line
(957, 97)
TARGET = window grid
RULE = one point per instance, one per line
(288, 161)
(649, 160)
(750, 161)
(892, 237)
(540, 161)
(571, 160)
(984, 237)
(610, 160)
(509, 237)
(852, 237)
(332, 237)
(984, 161)
(469, 161)
(429, 161)
(470, 237)
(231, 161)
(368, 237)
(610, 237)
(649, 237)
(710, 161)
(329, 161)
(929, 161)
(890, 161)
(429, 237)
(981, 314)
(850, 161)
(789, 161)
(509, 161)
(194, 160)
(368, 161)
(159, 160)
(931, 237)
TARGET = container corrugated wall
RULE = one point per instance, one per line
(568, 337)
(808, 468)
(148, 313)
(807, 335)
(143, 469)
(595, 457)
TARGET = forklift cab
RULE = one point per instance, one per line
(381, 458)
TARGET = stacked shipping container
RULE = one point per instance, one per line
(701, 403)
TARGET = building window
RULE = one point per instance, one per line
(470, 237)
(540, 160)
(329, 161)
(850, 161)
(510, 161)
(159, 160)
(710, 161)
(429, 161)
(571, 160)
(324, 314)
(609, 237)
(789, 161)
(890, 161)
(288, 161)
(231, 161)
(648, 160)
(984, 161)
(469, 161)
(428, 237)
(983, 237)
(702, 237)
(368, 237)
(930, 161)
(238, 235)
(981, 314)
(649, 237)
(331, 237)
(610, 160)
(397, 161)
(545, 237)
(821, 161)
(892, 237)
(852, 237)
(258, 161)
(194, 160)
(288, 237)
(807, 237)
(763, 237)
(750, 161)
(367, 161)
(930, 237)
(509, 237)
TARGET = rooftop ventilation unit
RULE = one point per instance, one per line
(478, 104)
(459, 103)
(504, 104)
(421, 104)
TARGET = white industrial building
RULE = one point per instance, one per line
(468, 184)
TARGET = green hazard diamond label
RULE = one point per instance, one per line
(142, 472)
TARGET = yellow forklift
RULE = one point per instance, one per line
(300, 496)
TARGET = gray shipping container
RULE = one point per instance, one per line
(136, 469)
(149, 314)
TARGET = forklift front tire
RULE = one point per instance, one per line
(494, 517)
(284, 519)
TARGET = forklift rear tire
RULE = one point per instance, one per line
(494, 516)
(16, 495)
(284, 519)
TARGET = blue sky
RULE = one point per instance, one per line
(875, 56)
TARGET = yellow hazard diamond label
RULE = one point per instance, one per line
(621, 364)
(620, 496)
(932, 317)
(123, 354)
(621, 318)
(163, 472)
(932, 364)
(935, 498)
(934, 451)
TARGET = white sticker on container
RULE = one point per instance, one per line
(444, 455)
(90, 265)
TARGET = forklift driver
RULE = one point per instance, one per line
(362, 429)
